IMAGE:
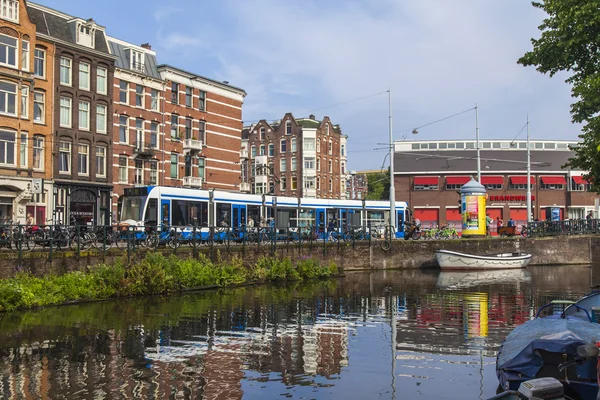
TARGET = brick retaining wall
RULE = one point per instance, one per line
(403, 255)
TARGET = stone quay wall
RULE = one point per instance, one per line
(348, 256)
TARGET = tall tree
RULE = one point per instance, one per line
(570, 41)
(378, 185)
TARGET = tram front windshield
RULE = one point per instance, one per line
(133, 208)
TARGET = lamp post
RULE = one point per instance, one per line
(477, 139)
(392, 189)
(351, 176)
(528, 175)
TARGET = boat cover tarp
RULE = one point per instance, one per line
(588, 302)
(519, 352)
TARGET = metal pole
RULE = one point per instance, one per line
(392, 188)
(528, 175)
(477, 138)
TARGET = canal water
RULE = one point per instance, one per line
(382, 335)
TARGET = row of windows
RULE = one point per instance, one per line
(84, 113)
(8, 101)
(575, 187)
(309, 164)
(309, 183)
(186, 130)
(8, 148)
(189, 96)
(138, 172)
(491, 145)
(140, 137)
(308, 145)
(83, 159)
(140, 96)
(9, 50)
(66, 75)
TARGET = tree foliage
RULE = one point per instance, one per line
(378, 185)
(570, 41)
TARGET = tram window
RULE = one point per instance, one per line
(152, 212)
(190, 213)
(223, 214)
(254, 212)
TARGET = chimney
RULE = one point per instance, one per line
(146, 46)
(311, 116)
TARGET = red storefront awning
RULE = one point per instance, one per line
(457, 180)
(554, 180)
(521, 180)
(426, 180)
(492, 180)
(579, 180)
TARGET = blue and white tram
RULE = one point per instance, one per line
(162, 205)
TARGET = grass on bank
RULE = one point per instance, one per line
(154, 274)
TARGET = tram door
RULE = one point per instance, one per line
(239, 215)
(165, 212)
(399, 223)
(321, 223)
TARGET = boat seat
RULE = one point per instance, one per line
(551, 361)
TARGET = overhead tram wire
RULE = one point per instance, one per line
(436, 121)
(329, 106)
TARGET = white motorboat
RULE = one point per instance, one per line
(451, 260)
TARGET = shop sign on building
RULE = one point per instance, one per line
(504, 200)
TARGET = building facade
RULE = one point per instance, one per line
(26, 61)
(295, 157)
(138, 118)
(429, 174)
(203, 125)
(82, 69)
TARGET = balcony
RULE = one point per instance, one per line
(244, 154)
(261, 160)
(192, 182)
(245, 187)
(143, 150)
(192, 145)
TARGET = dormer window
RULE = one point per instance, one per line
(136, 59)
(9, 9)
(86, 33)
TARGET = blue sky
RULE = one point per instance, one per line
(439, 57)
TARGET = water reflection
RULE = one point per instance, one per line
(390, 334)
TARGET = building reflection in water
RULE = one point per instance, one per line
(207, 345)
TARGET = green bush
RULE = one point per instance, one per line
(153, 274)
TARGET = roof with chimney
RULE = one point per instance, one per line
(122, 50)
(61, 27)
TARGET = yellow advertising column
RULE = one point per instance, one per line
(472, 196)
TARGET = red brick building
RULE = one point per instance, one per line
(203, 124)
(295, 157)
(428, 175)
(138, 99)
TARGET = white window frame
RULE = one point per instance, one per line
(136, 60)
(64, 150)
(294, 164)
(153, 177)
(24, 104)
(283, 183)
(38, 152)
(101, 76)
(294, 183)
(155, 133)
(8, 49)
(84, 76)
(282, 165)
(85, 156)
(23, 150)
(124, 89)
(288, 127)
(101, 117)
(39, 101)
(42, 52)
(7, 95)
(67, 106)
(126, 126)
(84, 110)
(155, 100)
(140, 96)
(66, 64)
(293, 145)
(101, 161)
(123, 169)
(9, 10)
(25, 54)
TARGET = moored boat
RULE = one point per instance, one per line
(451, 260)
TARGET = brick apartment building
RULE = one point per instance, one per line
(203, 124)
(138, 119)
(83, 69)
(428, 175)
(295, 157)
(26, 61)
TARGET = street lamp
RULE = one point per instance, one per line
(352, 177)
(392, 188)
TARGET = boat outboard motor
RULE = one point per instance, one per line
(542, 388)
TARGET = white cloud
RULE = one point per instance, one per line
(438, 56)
